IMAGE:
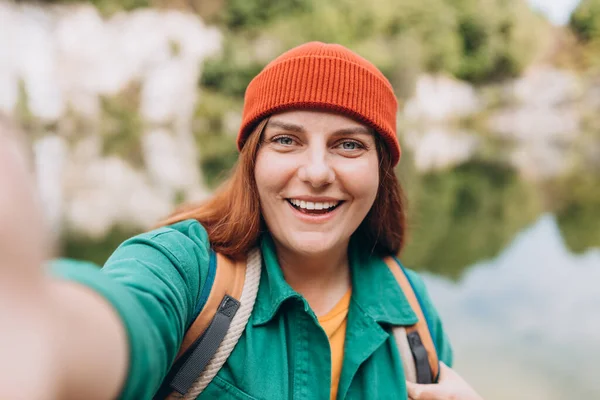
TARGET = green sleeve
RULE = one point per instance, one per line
(440, 339)
(153, 281)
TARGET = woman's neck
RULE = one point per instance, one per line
(321, 279)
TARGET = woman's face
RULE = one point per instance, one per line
(317, 175)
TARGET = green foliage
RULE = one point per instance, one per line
(108, 7)
(465, 215)
(227, 77)
(476, 40)
(97, 251)
(216, 145)
(498, 38)
(243, 14)
(585, 20)
(122, 126)
(22, 111)
(578, 210)
(585, 24)
(395, 35)
(217, 158)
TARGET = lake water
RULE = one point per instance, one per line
(526, 325)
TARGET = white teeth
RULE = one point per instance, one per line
(310, 205)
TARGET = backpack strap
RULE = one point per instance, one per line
(229, 280)
(216, 330)
(417, 351)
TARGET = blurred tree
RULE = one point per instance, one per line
(97, 251)
(499, 38)
(585, 20)
(476, 40)
(243, 14)
(585, 24)
(108, 7)
(121, 125)
(577, 208)
(215, 139)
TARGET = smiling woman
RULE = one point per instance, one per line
(313, 205)
(317, 176)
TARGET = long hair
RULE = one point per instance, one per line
(233, 220)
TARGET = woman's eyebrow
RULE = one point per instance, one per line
(286, 126)
(353, 130)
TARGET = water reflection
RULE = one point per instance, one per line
(466, 214)
(578, 208)
(525, 325)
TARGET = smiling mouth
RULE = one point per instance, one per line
(314, 208)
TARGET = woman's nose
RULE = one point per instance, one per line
(317, 170)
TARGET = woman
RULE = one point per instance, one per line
(315, 190)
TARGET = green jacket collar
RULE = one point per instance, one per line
(374, 288)
(273, 289)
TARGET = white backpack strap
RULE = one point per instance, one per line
(236, 328)
(408, 363)
(238, 325)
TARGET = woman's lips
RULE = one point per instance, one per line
(315, 216)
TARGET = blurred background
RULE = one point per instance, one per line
(132, 106)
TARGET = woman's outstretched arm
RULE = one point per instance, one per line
(58, 340)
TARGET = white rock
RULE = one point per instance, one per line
(109, 192)
(68, 58)
(51, 153)
(545, 86)
(440, 98)
(437, 148)
(531, 123)
(36, 60)
(540, 161)
(167, 166)
(169, 92)
(9, 80)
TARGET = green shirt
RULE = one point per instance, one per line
(154, 281)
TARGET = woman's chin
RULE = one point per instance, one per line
(312, 246)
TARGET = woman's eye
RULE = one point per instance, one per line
(284, 140)
(350, 145)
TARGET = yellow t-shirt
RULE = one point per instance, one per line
(334, 325)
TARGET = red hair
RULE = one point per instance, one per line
(233, 220)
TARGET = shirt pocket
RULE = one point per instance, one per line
(221, 389)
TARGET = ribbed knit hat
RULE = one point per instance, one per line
(325, 77)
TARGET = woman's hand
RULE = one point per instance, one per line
(26, 348)
(449, 387)
(58, 340)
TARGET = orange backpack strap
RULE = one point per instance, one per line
(229, 279)
(217, 327)
(411, 340)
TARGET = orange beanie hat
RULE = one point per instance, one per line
(326, 77)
